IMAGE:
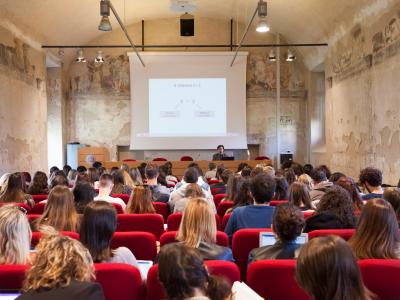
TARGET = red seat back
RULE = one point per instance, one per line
(169, 237)
(345, 234)
(277, 202)
(223, 207)
(36, 236)
(160, 159)
(307, 214)
(118, 208)
(12, 277)
(215, 267)
(174, 221)
(124, 197)
(162, 209)
(38, 198)
(213, 181)
(243, 241)
(262, 158)
(225, 220)
(381, 276)
(119, 281)
(142, 244)
(275, 280)
(218, 198)
(25, 206)
(186, 158)
(38, 209)
(216, 191)
(153, 223)
(128, 160)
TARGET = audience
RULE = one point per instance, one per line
(299, 196)
(3, 181)
(327, 269)
(246, 172)
(81, 169)
(105, 189)
(66, 169)
(348, 184)
(60, 212)
(233, 186)
(259, 214)
(15, 236)
(334, 211)
(289, 175)
(243, 197)
(281, 190)
(307, 168)
(320, 184)
(72, 177)
(60, 180)
(141, 201)
(182, 273)
(221, 188)
(136, 176)
(119, 186)
(371, 181)
(220, 170)
(84, 193)
(99, 223)
(13, 192)
(377, 232)
(160, 193)
(241, 166)
(393, 197)
(93, 177)
(128, 181)
(62, 269)
(335, 177)
(39, 185)
(193, 190)
(170, 178)
(288, 224)
(212, 171)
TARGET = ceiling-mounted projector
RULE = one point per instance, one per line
(183, 6)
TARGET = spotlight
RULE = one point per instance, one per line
(79, 57)
(290, 56)
(262, 14)
(105, 24)
(262, 26)
(99, 57)
(271, 55)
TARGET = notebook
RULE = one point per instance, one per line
(241, 291)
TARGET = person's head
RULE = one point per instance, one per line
(72, 175)
(348, 184)
(124, 167)
(318, 175)
(297, 168)
(197, 167)
(234, 183)
(98, 225)
(281, 190)
(193, 190)
(307, 168)
(113, 170)
(93, 175)
(60, 211)
(288, 222)
(371, 178)
(256, 171)
(198, 223)
(59, 260)
(97, 165)
(299, 195)
(106, 184)
(136, 176)
(262, 188)
(118, 177)
(15, 235)
(39, 184)
(211, 166)
(393, 197)
(246, 171)
(327, 170)
(151, 171)
(82, 177)
(141, 201)
(220, 149)
(243, 196)
(101, 170)
(241, 166)
(305, 179)
(289, 175)
(337, 201)
(84, 193)
(327, 269)
(191, 175)
(182, 273)
(81, 169)
(377, 232)
(220, 170)
(13, 190)
(336, 176)
(59, 180)
(226, 175)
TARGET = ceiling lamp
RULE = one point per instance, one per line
(262, 14)
(290, 56)
(99, 57)
(79, 57)
(271, 55)
(105, 24)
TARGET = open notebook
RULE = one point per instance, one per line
(241, 291)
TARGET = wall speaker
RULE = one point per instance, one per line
(187, 25)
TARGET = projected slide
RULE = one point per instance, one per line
(187, 107)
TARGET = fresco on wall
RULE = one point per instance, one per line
(14, 61)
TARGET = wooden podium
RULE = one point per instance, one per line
(99, 154)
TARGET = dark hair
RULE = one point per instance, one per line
(14, 191)
(243, 196)
(336, 176)
(241, 166)
(113, 170)
(318, 174)
(281, 189)
(348, 184)
(393, 197)
(84, 193)
(220, 170)
(211, 166)
(66, 169)
(81, 169)
(191, 175)
(327, 170)
(308, 168)
(54, 169)
(197, 167)
(219, 146)
(337, 201)
(97, 165)
(299, 195)
(101, 170)
(226, 175)
(297, 168)
(59, 179)
(263, 188)
(118, 178)
(181, 270)
(246, 171)
(232, 188)
(372, 176)
(98, 225)
(151, 171)
(39, 184)
(288, 222)
(93, 175)
(290, 175)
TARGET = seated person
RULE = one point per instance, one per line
(13, 191)
(299, 196)
(160, 192)
(371, 181)
(288, 224)
(198, 230)
(320, 184)
(141, 201)
(220, 184)
(243, 196)
(99, 223)
(62, 269)
(193, 190)
(393, 197)
(84, 193)
(258, 215)
(282, 186)
(120, 186)
(334, 211)
(225, 178)
(105, 188)
(212, 171)
(220, 153)
(39, 185)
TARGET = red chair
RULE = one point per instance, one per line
(118, 208)
(225, 220)
(153, 223)
(160, 159)
(216, 191)
(218, 198)
(38, 198)
(274, 280)
(36, 236)
(119, 281)
(38, 209)
(23, 205)
(162, 209)
(215, 267)
(128, 160)
(223, 207)
(262, 158)
(124, 197)
(308, 214)
(142, 244)
(213, 181)
(186, 158)
(243, 241)
(12, 277)
(169, 237)
(345, 234)
(174, 221)
(381, 276)
(277, 202)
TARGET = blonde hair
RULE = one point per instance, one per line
(306, 180)
(60, 211)
(59, 260)
(15, 235)
(128, 179)
(141, 201)
(198, 224)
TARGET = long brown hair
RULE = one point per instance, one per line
(13, 190)
(39, 184)
(377, 232)
(140, 201)
(299, 195)
(348, 184)
(60, 210)
(327, 270)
